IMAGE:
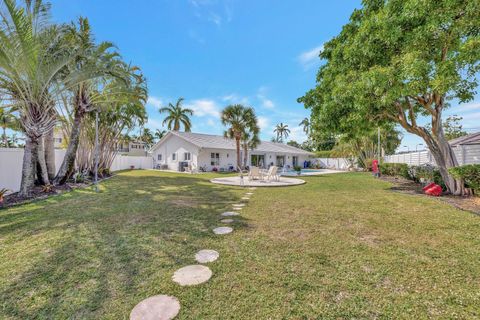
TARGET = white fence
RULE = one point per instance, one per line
(466, 154)
(332, 163)
(11, 165)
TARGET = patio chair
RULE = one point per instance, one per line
(254, 173)
(271, 174)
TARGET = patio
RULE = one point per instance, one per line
(245, 182)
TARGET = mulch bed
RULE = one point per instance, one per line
(471, 204)
(38, 193)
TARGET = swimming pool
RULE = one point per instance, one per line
(304, 172)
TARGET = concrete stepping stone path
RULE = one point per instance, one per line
(249, 193)
(192, 275)
(230, 214)
(237, 208)
(205, 256)
(222, 230)
(226, 221)
(238, 205)
(245, 198)
(161, 307)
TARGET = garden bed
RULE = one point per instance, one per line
(403, 185)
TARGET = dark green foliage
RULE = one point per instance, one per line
(469, 173)
(323, 154)
(395, 169)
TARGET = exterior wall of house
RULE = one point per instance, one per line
(177, 146)
(227, 159)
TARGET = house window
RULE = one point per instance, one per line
(187, 156)
(295, 161)
(215, 159)
(159, 157)
(174, 156)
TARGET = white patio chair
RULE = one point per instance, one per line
(272, 174)
(254, 173)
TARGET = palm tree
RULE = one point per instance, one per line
(159, 134)
(282, 131)
(177, 116)
(147, 137)
(31, 61)
(7, 121)
(86, 96)
(240, 120)
(250, 140)
(306, 125)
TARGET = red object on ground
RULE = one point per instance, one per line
(434, 190)
(375, 166)
(428, 186)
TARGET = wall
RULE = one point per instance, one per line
(11, 160)
(175, 145)
(332, 163)
(466, 154)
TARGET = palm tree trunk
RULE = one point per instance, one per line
(68, 164)
(239, 161)
(245, 155)
(5, 140)
(30, 156)
(42, 175)
(50, 154)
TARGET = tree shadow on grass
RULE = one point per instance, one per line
(82, 251)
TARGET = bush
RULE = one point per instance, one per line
(395, 169)
(469, 173)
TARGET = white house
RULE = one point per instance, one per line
(176, 150)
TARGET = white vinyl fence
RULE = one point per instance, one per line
(332, 163)
(11, 165)
(466, 154)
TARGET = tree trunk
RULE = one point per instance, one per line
(29, 164)
(50, 154)
(68, 164)
(5, 140)
(41, 166)
(239, 161)
(245, 155)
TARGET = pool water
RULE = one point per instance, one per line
(303, 172)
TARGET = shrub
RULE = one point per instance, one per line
(395, 169)
(469, 173)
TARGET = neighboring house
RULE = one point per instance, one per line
(59, 141)
(132, 148)
(176, 150)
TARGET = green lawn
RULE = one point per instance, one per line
(340, 246)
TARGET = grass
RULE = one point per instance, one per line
(340, 246)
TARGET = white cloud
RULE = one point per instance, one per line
(155, 101)
(211, 122)
(235, 98)
(153, 124)
(263, 123)
(309, 59)
(297, 134)
(204, 107)
(266, 102)
(475, 106)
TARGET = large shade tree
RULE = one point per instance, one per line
(397, 61)
(241, 122)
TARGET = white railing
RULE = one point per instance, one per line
(11, 160)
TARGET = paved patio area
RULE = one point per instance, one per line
(237, 181)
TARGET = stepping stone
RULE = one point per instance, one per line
(226, 220)
(252, 188)
(249, 193)
(237, 208)
(245, 198)
(159, 307)
(192, 275)
(238, 205)
(205, 256)
(229, 214)
(222, 230)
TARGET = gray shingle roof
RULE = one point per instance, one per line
(219, 142)
(473, 138)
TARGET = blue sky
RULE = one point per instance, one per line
(216, 52)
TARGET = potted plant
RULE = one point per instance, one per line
(132, 167)
(2, 195)
(297, 169)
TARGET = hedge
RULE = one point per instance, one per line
(469, 173)
(395, 169)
